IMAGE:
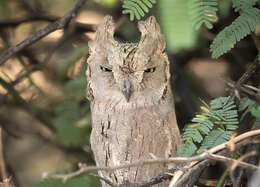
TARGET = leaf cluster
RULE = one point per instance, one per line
(213, 126)
(137, 8)
(241, 27)
(204, 12)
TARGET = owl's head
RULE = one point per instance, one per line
(128, 72)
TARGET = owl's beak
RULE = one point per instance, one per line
(127, 89)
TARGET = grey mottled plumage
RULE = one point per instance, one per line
(132, 105)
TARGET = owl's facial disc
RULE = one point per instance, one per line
(127, 89)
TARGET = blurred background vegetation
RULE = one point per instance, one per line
(43, 109)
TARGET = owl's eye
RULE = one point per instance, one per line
(105, 69)
(150, 70)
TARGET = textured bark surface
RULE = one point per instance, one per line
(132, 106)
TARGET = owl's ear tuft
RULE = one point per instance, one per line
(151, 37)
(104, 34)
(106, 29)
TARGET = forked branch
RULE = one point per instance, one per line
(210, 154)
(59, 24)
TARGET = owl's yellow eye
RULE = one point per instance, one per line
(150, 70)
(105, 69)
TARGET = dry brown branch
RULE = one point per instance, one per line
(243, 88)
(240, 85)
(2, 161)
(235, 164)
(252, 68)
(59, 24)
(193, 160)
(5, 180)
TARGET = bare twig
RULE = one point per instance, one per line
(59, 24)
(30, 70)
(241, 88)
(5, 180)
(235, 163)
(194, 160)
(3, 172)
(192, 174)
(252, 68)
(257, 90)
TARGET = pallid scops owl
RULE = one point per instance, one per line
(132, 106)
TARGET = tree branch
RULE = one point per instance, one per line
(59, 24)
(193, 160)
(5, 180)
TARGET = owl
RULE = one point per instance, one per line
(132, 106)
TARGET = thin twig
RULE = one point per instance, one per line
(5, 180)
(3, 172)
(248, 74)
(233, 161)
(237, 162)
(194, 160)
(252, 88)
(242, 88)
(30, 70)
(59, 24)
(191, 176)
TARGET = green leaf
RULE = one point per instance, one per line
(239, 5)
(214, 138)
(255, 111)
(239, 29)
(213, 126)
(203, 12)
(187, 149)
(177, 25)
(245, 106)
(137, 8)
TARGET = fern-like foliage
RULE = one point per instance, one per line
(137, 8)
(243, 4)
(203, 12)
(241, 27)
(213, 126)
